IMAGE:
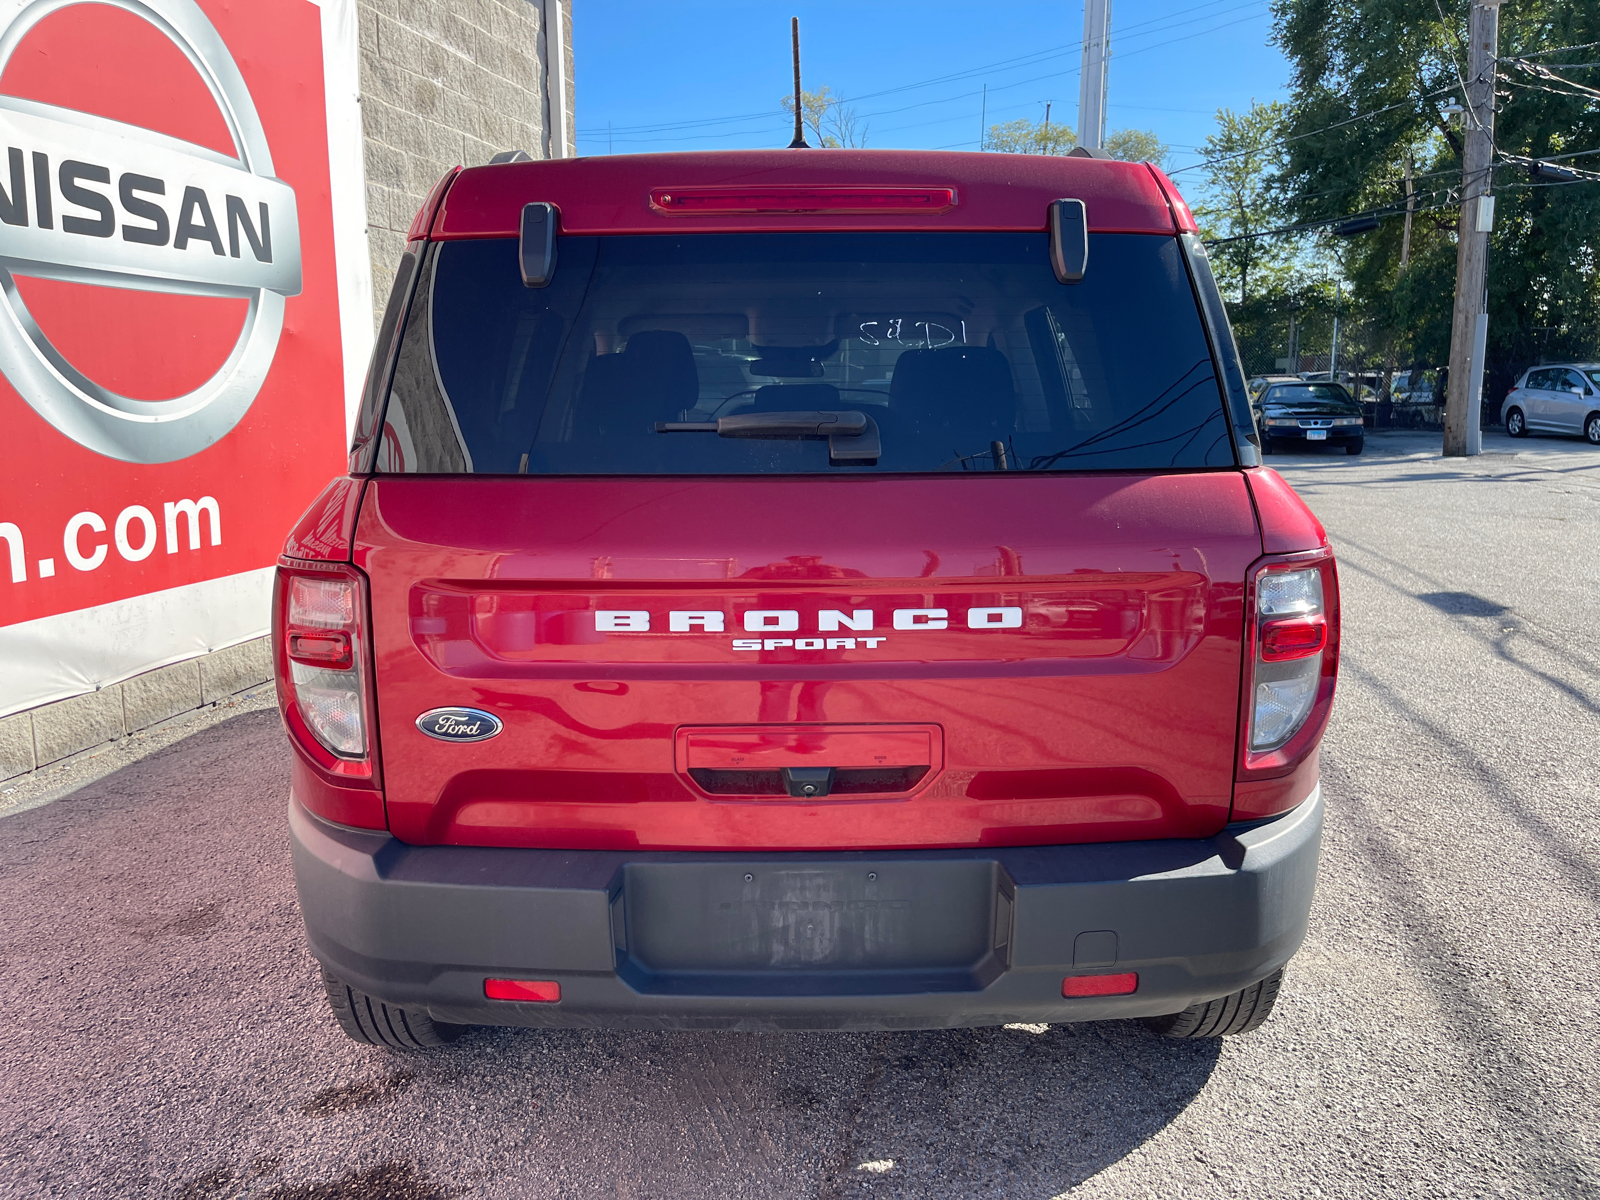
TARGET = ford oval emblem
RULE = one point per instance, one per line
(459, 724)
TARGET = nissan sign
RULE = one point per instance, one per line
(120, 206)
(184, 300)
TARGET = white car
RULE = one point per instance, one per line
(1564, 398)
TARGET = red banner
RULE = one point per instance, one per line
(172, 375)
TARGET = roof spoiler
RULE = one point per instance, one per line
(1069, 239)
(537, 250)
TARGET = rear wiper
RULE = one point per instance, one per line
(852, 436)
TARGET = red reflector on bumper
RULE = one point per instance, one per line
(1100, 985)
(543, 990)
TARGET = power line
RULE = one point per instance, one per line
(1300, 137)
(1557, 50)
(1538, 70)
(1149, 27)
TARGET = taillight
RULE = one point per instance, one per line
(1292, 648)
(1291, 631)
(319, 627)
(321, 615)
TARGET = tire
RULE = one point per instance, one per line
(1356, 446)
(369, 1020)
(1591, 429)
(1516, 423)
(1241, 1012)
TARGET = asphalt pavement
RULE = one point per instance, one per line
(163, 1032)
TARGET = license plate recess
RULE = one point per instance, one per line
(773, 927)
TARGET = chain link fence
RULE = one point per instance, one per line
(1373, 361)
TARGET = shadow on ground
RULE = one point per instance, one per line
(168, 1037)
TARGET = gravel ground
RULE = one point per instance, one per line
(165, 1036)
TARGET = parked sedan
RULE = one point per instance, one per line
(1556, 399)
(1309, 412)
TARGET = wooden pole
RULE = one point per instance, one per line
(1468, 326)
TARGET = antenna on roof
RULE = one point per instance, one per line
(799, 142)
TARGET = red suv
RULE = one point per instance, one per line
(805, 589)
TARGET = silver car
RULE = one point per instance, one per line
(1563, 398)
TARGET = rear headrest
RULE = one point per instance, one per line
(663, 361)
(973, 373)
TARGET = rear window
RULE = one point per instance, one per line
(961, 351)
(1308, 393)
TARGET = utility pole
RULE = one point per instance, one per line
(1333, 351)
(1469, 328)
(1092, 84)
(1411, 208)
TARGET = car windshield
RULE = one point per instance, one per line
(956, 351)
(1593, 373)
(1308, 393)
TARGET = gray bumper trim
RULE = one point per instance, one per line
(425, 925)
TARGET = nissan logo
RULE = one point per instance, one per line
(91, 200)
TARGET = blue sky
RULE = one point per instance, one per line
(708, 74)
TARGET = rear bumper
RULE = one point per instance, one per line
(864, 940)
(1344, 433)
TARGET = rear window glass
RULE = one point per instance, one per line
(948, 352)
(1307, 393)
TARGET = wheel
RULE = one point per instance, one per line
(1241, 1012)
(1516, 423)
(1356, 446)
(367, 1019)
(1591, 429)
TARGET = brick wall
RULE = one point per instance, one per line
(445, 83)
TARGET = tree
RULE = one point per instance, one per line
(1023, 136)
(1243, 160)
(1137, 145)
(832, 122)
(1370, 82)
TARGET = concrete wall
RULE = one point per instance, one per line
(48, 734)
(447, 83)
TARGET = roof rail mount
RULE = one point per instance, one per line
(510, 156)
(1088, 152)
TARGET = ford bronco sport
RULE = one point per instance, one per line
(823, 589)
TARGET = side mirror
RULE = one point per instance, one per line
(1578, 391)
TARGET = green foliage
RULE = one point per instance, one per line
(831, 122)
(1136, 145)
(1023, 136)
(1357, 57)
(1241, 202)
